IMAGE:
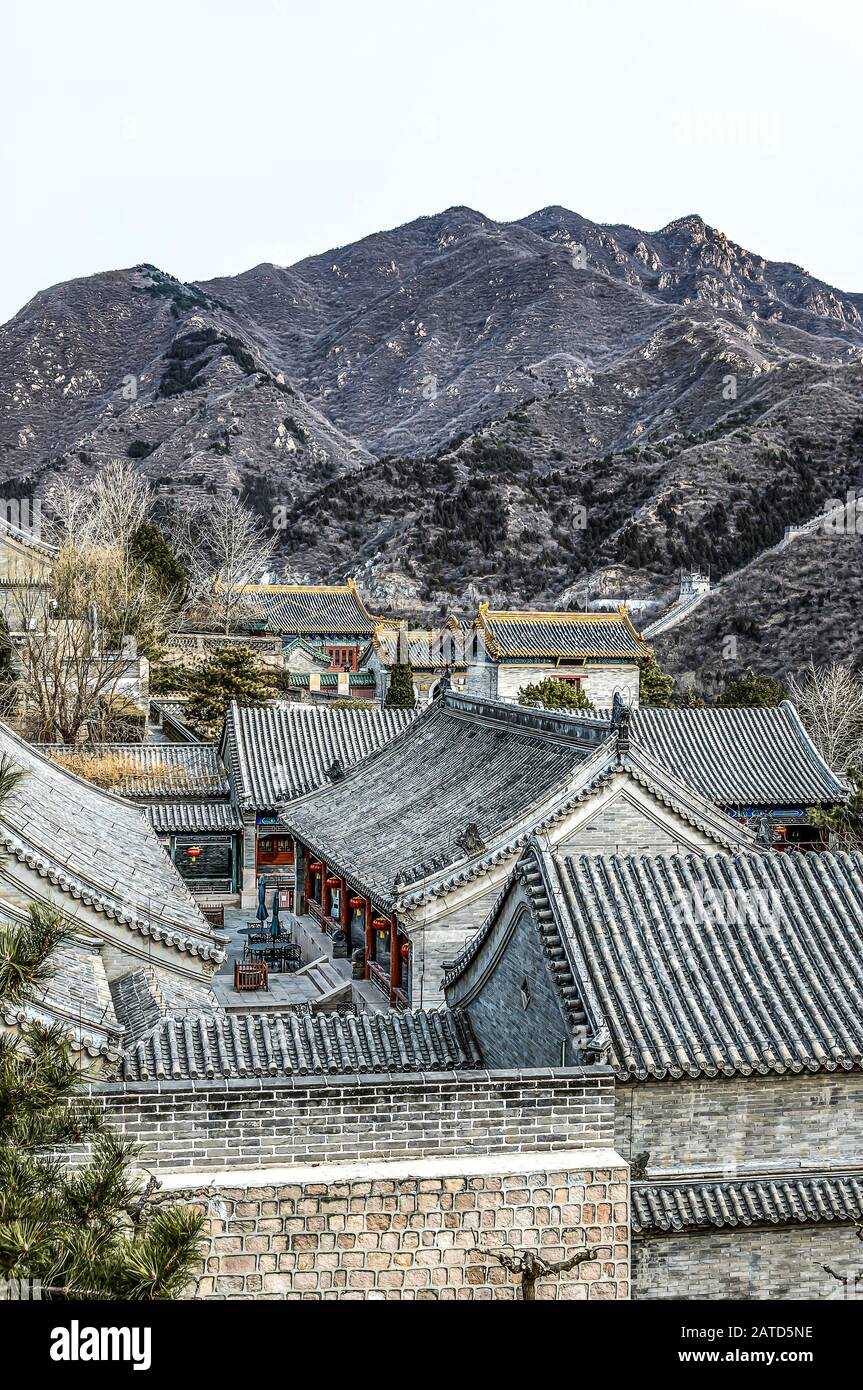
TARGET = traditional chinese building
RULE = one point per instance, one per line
(726, 992)
(432, 653)
(328, 616)
(758, 765)
(280, 752)
(598, 652)
(407, 852)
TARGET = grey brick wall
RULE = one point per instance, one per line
(740, 1124)
(259, 1122)
(743, 1126)
(418, 1236)
(778, 1262)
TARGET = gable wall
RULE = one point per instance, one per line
(489, 991)
(599, 682)
(627, 820)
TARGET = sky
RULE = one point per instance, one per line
(206, 136)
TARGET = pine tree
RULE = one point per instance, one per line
(148, 548)
(752, 692)
(654, 686)
(554, 694)
(400, 690)
(97, 1231)
(230, 673)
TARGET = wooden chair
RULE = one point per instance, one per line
(251, 974)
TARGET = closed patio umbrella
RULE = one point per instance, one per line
(275, 924)
(261, 913)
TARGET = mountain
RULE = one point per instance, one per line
(461, 408)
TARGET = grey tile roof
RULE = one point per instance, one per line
(733, 964)
(149, 770)
(402, 812)
(283, 751)
(287, 1044)
(136, 1005)
(400, 817)
(552, 635)
(194, 817)
(773, 1201)
(172, 714)
(143, 1000)
(739, 757)
(100, 850)
(311, 610)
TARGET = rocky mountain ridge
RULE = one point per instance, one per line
(461, 408)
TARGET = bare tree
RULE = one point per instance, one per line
(103, 513)
(74, 637)
(830, 701)
(531, 1267)
(227, 550)
(853, 1280)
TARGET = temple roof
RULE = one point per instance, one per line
(283, 751)
(463, 788)
(294, 1044)
(147, 770)
(687, 966)
(737, 757)
(98, 849)
(311, 609)
(596, 636)
(686, 1206)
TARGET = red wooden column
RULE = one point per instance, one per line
(307, 885)
(394, 959)
(325, 892)
(343, 906)
(370, 937)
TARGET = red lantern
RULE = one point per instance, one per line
(316, 866)
(333, 882)
(193, 852)
(357, 902)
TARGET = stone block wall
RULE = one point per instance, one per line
(419, 1230)
(391, 1186)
